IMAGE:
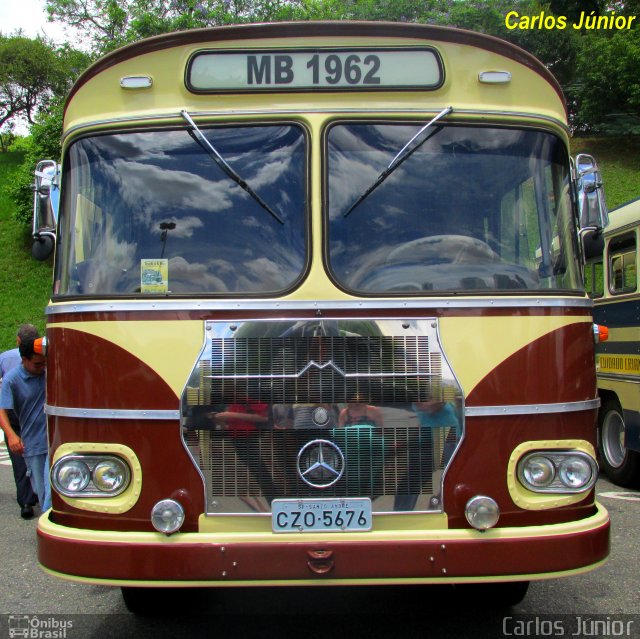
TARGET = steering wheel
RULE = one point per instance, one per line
(450, 249)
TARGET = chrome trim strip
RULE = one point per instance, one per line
(109, 413)
(469, 411)
(400, 110)
(305, 305)
(530, 409)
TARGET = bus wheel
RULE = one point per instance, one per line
(155, 601)
(620, 464)
(496, 596)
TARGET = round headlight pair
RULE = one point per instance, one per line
(90, 476)
(558, 471)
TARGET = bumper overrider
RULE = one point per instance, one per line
(375, 557)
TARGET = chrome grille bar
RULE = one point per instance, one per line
(322, 369)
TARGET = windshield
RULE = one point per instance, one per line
(472, 209)
(151, 212)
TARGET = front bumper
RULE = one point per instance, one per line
(386, 557)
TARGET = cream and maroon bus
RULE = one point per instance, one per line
(318, 317)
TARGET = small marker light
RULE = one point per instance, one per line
(600, 333)
(40, 346)
(136, 82)
(494, 77)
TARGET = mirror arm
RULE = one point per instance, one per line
(38, 234)
(596, 230)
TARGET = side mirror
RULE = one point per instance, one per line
(43, 246)
(46, 197)
(590, 189)
(592, 242)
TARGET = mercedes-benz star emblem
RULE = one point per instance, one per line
(320, 463)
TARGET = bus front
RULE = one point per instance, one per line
(318, 317)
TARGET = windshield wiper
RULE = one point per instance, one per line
(222, 163)
(417, 140)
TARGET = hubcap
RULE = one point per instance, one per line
(613, 446)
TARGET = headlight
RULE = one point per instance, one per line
(575, 472)
(558, 471)
(110, 475)
(72, 476)
(539, 471)
(90, 475)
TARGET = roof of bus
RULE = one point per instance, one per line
(627, 214)
(273, 34)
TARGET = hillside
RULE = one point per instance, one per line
(25, 283)
(619, 161)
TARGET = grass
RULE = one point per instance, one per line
(25, 284)
(619, 161)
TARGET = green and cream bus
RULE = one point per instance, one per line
(611, 274)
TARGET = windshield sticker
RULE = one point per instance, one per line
(154, 276)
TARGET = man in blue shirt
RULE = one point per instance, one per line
(23, 390)
(25, 496)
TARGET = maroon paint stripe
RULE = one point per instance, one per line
(557, 368)
(90, 372)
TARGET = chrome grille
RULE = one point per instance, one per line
(289, 373)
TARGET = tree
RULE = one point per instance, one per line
(607, 86)
(28, 74)
(109, 24)
(32, 72)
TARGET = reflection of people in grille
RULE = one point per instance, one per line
(241, 423)
(358, 412)
(241, 419)
(431, 415)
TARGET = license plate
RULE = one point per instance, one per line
(321, 515)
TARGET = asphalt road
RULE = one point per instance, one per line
(603, 603)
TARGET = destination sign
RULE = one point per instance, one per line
(326, 69)
(618, 364)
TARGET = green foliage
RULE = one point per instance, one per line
(109, 24)
(608, 89)
(20, 144)
(44, 143)
(25, 283)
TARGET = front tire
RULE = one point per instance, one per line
(619, 463)
(495, 596)
(158, 602)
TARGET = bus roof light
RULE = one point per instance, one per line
(136, 82)
(495, 77)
